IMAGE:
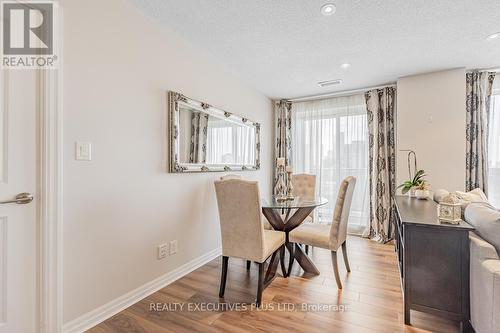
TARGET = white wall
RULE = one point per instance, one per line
(118, 65)
(431, 121)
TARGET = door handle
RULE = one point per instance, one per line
(21, 199)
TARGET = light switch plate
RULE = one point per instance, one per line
(83, 151)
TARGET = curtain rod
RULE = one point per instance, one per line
(340, 93)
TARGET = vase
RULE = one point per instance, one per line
(422, 194)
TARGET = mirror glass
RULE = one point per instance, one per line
(207, 139)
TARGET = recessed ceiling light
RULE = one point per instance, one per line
(328, 9)
(493, 36)
(329, 82)
(345, 66)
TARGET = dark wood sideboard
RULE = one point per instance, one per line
(433, 261)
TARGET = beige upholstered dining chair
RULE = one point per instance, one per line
(334, 236)
(243, 234)
(266, 224)
(304, 186)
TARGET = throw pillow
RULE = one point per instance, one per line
(440, 194)
(486, 219)
(476, 195)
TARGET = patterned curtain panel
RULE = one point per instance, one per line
(380, 104)
(198, 147)
(479, 89)
(283, 133)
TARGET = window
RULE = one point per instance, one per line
(330, 140)
(494, 147)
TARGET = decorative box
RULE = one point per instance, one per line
(449, 210)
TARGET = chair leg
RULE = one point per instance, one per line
(260, 285)
(307, 249)
(248, 264)
(336, 269)
(344, 252)
(282, 260)
(223, 276)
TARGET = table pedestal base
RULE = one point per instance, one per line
(286, 225)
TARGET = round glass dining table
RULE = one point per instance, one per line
(286, 216)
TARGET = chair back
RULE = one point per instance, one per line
(304, 186)
(338, 231)
(240, 218)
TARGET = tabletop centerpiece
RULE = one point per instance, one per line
(280, 188)
(283, 188)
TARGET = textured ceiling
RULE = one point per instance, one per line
(284, 47)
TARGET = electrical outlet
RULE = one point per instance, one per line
(162, 251)
(173, 247)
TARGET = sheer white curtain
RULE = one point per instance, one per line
(229, 143)
(494, 146)
(330, 140)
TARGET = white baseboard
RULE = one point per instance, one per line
(94, 317)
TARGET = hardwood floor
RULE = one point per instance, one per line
(371, 297)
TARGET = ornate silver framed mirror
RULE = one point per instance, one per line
(203, 138)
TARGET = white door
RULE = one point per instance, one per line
(18, 229)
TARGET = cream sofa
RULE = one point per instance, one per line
(484, 263)
(484, 286)
(484, 267)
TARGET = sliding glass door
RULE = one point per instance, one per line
(330, 140)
